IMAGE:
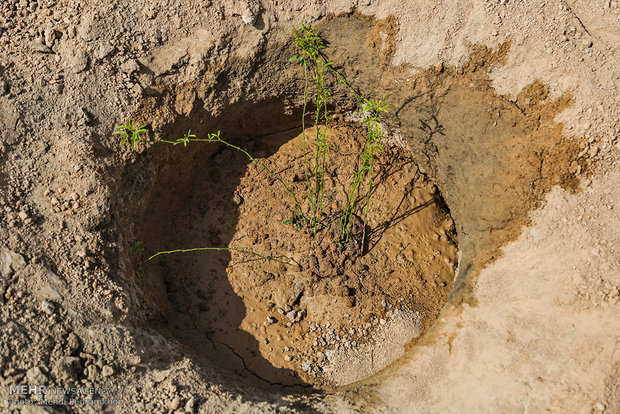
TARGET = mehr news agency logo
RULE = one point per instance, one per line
(49, 396)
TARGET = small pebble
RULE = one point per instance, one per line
(174, 404)
(47, 307)
(39, 47)
(107, 371)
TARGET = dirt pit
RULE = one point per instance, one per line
(324, 314)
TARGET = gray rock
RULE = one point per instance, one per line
(36, 376)
(10, 262)
(292, 315)
(174, 403)
(189, 405)
(47, 307)
(39, 47)
(237, 199)
(73, 342)
(107, 371)
(79, 61)
(130, 66)
(105, 50)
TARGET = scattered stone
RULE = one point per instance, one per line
(92, 372)
(107, 371)
(47, 307)
(65, 370)
(22, 215)
(39, 47)
(10, 262)
(50, 37)
(73, 342)
(174, 403)
(189, 405)
(237, 199)
(36, 376)
(250, 13)
(292, 315)
(271, 320)
(105, 49)
(131, 66)
(288, 358)
(306, 365)
(78, 62)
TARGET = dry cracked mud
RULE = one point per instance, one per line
(489, 277)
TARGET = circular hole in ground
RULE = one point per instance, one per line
(333, 315)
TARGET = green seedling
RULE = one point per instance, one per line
(131, 133)
(316, 67)
(136, 248)
(371, 110)
(309, 57)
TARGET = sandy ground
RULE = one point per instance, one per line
(538, 331)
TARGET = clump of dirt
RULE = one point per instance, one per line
(331, 307)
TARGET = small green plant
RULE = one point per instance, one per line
(309, 57)
(131, 133)
(315, 65)
(136, 248)
(371, 110)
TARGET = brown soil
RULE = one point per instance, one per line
(290, 324)
(510, 108)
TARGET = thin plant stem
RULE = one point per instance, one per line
(303, 132)
(197, 249)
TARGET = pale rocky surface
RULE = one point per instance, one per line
(544, 333)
